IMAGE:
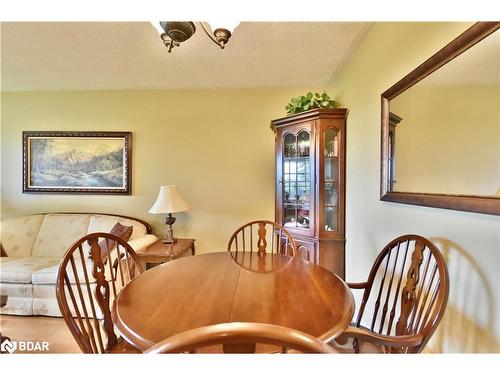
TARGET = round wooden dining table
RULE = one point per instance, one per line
(223, 287)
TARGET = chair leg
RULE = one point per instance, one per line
(355, 345)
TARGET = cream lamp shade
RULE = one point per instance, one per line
(169, 201)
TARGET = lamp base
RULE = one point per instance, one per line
(171, 241)
(169, 238)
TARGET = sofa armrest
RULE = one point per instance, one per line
(142, 242)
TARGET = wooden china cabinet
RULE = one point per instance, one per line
(310, 183)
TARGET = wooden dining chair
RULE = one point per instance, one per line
(91, 274)
(403, 300)
(239, 337)
(262, 236)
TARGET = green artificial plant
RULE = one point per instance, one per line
(310, 101)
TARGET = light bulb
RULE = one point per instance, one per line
(227, 24)
(156, 25)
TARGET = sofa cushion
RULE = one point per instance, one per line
(4, 260)
(48, 275)
(122, 231)
(58, 232)
(21, 270)
(108, 245)
(105, 223)
(19, 234)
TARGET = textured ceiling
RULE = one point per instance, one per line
(130, 55)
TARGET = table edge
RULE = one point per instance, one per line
(143, 344)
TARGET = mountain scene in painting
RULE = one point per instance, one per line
(76, 162)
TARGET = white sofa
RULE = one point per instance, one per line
(34, 246)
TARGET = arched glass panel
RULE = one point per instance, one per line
(331, 180)
(296, 180)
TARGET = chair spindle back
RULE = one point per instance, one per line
(91, 274)
(407, 290)
(262, 236)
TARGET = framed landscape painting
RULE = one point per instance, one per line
(77, 162)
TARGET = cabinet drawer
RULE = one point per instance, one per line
(308, 251)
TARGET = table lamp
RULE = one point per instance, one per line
(169, 201)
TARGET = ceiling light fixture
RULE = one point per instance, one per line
(173, 33)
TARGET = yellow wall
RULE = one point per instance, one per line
(471, 242)
(448, 140)
(215, 145)
(218, 148)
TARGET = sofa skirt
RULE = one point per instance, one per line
(29, 299)
(19, 299)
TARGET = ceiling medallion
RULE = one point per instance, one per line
(173, 33)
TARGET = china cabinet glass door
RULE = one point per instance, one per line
(296, 180)
(330, 180)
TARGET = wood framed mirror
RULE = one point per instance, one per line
(440, 144)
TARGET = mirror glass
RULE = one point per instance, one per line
(444, 132)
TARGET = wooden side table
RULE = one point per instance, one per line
(159, 252)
